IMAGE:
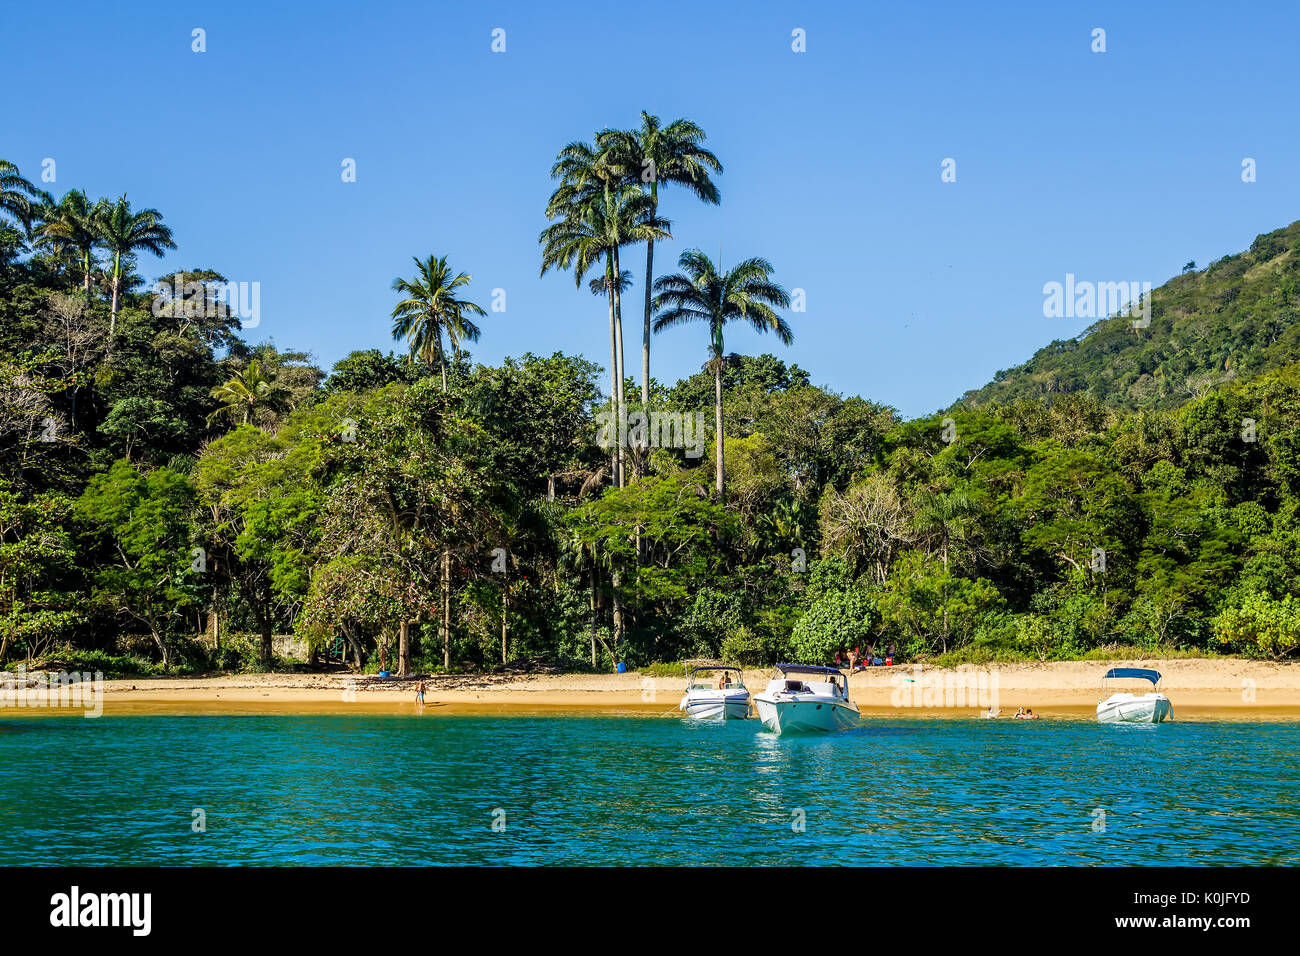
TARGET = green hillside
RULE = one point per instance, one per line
(1234, 320)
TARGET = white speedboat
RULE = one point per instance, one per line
(715, 692)
(806, 698)
(1129, 708)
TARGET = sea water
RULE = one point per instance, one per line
(617, 789)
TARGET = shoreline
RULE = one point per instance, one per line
(1232, 688)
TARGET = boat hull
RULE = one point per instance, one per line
(716, 707)
(1128, 709)
(810, 715)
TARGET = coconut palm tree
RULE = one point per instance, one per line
(122, 232)
(700, 293)
(16, 194)
(431, 309)
(73, 222)
(647, 157)
(247, 392)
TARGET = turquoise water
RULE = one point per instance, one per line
(642, 790)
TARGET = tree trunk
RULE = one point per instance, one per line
(717, 424)
(117, 283)
(618, 616)
(267, 648)
(446, 610)
(645, 330)
(404, 649)
(593, 619)
(616, 451)
(162, 647)
(352, 643)
(622, 405)
(505, 610)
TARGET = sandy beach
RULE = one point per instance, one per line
(1231, 688)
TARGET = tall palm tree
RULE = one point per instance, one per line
(431, 309)
(595, 216)
(657, 154)
(73, 221)
(246, 392)
(700, 293)
(122, 232)
(16, 194)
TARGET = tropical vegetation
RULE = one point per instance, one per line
(174, 496)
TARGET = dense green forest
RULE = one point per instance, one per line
(172, 495)
(1232, 321)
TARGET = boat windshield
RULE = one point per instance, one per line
(715, 678)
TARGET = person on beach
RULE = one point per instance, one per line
(1020, 714)
(419, 692)
(1030, 715)
(853, 660)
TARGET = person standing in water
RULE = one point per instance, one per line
(419, 692)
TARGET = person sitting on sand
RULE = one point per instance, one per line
(1030, 715)
(419, 692)
(1020, 714)
(993, 713)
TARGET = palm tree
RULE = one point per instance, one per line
(16, 194)
(657, 154)
(596, 216)
(248, 391)
(74, 221)
(431, 310)
(122, 232)
(703, 294)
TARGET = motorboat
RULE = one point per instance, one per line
(806, 697)
(1129, 708)
(715, 692)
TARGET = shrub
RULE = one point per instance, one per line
(837, 619)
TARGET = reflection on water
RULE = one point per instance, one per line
(643, 790)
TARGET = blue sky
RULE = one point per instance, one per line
(1115, 166)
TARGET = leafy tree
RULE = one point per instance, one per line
(1259, 624)
(36, 551)
(149, 569)
(837, 620)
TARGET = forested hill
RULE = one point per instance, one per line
(1234, 320)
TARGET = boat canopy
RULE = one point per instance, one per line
(712, 667)
(808, 669)
(1138, 673)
